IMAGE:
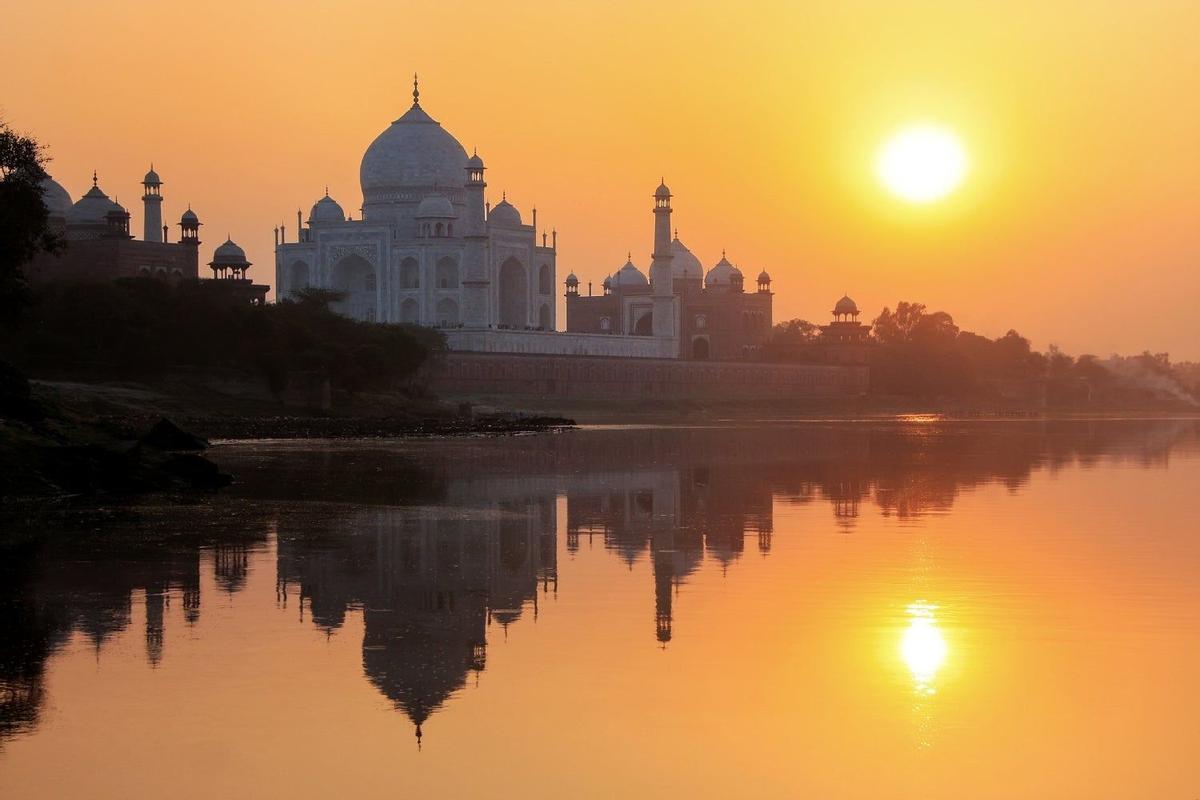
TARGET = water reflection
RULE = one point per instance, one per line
(923, 647)
(442, 546)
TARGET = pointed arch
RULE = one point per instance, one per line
(410, 274)
(447, 313)
(410, 312)
(514, 294)
(354, 277)
(447, 273)
(544, 321)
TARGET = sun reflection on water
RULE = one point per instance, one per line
(922, 646)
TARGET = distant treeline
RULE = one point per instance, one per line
(917, 353)
(142, 327)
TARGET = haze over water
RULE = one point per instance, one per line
(861, 610)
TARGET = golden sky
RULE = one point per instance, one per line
(1078, 224)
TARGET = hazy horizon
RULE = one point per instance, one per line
(1076, 224)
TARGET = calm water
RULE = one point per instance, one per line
(858, 610)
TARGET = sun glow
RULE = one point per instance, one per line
(922, 646)
(922, 163)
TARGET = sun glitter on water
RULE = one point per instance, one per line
(922, 646)
(922, 163)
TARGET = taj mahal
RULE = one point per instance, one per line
(428, 249)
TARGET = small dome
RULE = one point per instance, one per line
(475, 162)
(229, 255)
(721, 274)
(92, 208)
(629, 275)
(56, 198)
(504, 213)
(607, 282)
(189, 217)
(662, 191)
(437, 205)
(117, 209)
(572, 280)
(685, 265)
(326, 210)
(763, 277)
(845, 306)
(152, 178)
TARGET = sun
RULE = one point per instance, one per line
(922, 163)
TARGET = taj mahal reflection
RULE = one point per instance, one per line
(440, 550)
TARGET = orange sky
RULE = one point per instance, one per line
(1079, 223)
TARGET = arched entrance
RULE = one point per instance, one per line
(354, 277)
(644, 325)
(410, 312)
(410, 274)
(447, 313)
(514, 294)
(700, 348)
(297, 276)
(544, 317)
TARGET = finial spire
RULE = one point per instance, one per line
(94, 180)
(503, 196)
(327, 190)
(416, 92)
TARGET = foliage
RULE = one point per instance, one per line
(792, 341)
(24, 219)
(143, 326)
(920, 353)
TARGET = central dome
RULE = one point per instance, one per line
(414, 153)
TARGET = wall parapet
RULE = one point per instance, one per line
(634, 378)
(558, 343)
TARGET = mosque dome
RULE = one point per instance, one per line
(607, 282)
(56, 198)
(662, 190)
(721, 274)
(92, 208)
(414, 152)
(189, 217)
(475, 162)
(229, 255)
(572, 280)
(436, 205)
(845, 306)
(504, 213)
(629, 275)
(326, 210)
(685, 265)
(764, 277)
(151, 177)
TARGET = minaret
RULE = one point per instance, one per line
(190, 224)
(152, 203)
(661, 277)
(476, 286)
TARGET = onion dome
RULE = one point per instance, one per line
(763, 277)
(437, 205)
(662, 191)
(845, 306)
(56, 198)
(504, 213)
(229, 255)
(326, 210)
(414, 152)
(475, 162)
(151, 178)
(189, 218)
(572, 280)
(629, 275)
(607, 282)
(685, 265)
(92, 208)
(721, 274)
